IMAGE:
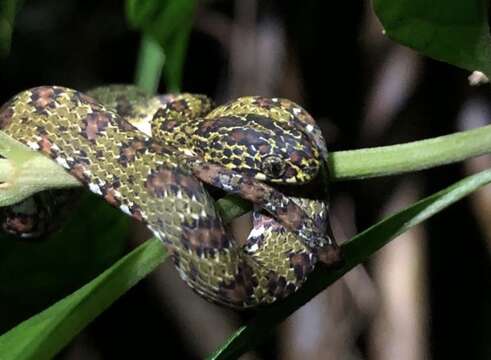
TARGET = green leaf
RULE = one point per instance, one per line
(232, 206)
(454, 31)
(176, 53)
(162, 19)
(8, 10)
(356, 251)
(43, 335)
(139, 12)
(167, 23)
(35, 273)
(151, 59)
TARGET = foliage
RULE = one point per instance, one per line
(8, 9)
(168, 24)
(455, 31)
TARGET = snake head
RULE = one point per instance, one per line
(260, 147)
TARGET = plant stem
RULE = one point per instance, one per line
(151, 60)
(413, 156)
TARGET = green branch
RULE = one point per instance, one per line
(413, 156)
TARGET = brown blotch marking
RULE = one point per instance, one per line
(188, 184)
(205, 127)
(241, 289)
(123, 106)
(264, 149)
(205, 236)
(246, 137)
(252, 190)
(95, 124)
(83, 98)
(218, 124)
(287, 104)
(43, 97)
(237, 135)
(207, 173)
(46, 146)
(111, 197)
(157, 148)
(264, 102)
(296, 157)
(159, 181)
(293, 215)
(129, 151)
(178, 105)
(301, 265)
(277, 285)
(126, 126)
(78, 170)
(168, 125)
(290, 172)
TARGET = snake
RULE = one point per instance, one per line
(246, 135)
(149, 180)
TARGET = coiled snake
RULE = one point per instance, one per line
(156, 183)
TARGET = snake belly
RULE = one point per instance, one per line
(145, 180)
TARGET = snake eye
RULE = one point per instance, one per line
(273, 166)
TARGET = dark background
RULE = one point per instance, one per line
(364, 90)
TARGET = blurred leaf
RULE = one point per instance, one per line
(162, 19)
(356, 251)
(8, 10)
(35, 274)
(454, 31)
(139, 12)
(151, 59)
(167, 22)
(176, 54)
(43, 335)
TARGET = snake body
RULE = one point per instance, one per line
(150, 181)
(270, 139)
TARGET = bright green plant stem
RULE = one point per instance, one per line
(151, 60)
(413, 156)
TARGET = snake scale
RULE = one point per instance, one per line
(158, 182)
